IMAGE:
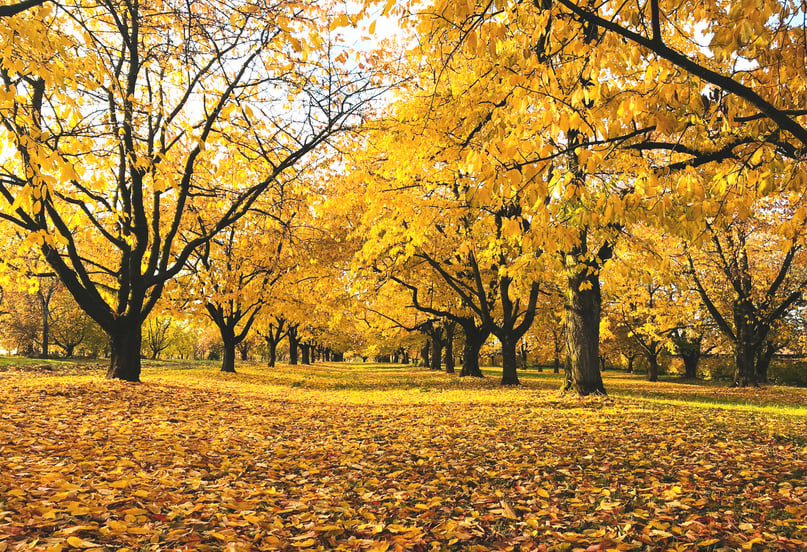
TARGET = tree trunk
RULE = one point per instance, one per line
(763, 362)
(743, 364)
(424, 353)
(45, 325)
(125, 352)
(437, 348)
(652, 370)
(306, 353)
(509, 362)
(581, 326)
(474, 339)
(691, 365)
(272, 353)
(244, 353)
(449, 343)
(293, 344)
(744, 346)
(228, 358)
(556, 366)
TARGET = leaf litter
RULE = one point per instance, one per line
(183, 463)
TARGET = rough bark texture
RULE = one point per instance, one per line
(125, 352)
(581, 325)
(745, 346)
(474, 339)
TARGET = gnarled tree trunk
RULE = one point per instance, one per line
(581, 326)
(124, 345)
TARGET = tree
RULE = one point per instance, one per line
(273, 329)
(750, 278)
(118, 136)
(70, 327)
(158, 330)
(19, 7)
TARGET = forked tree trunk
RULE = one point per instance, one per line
(125, 352)
(474, 339)
(509, 362)
(581, 327)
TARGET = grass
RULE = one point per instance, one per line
(368, 457)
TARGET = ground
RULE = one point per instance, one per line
(369, 458)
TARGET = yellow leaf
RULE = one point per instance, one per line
(77, 542)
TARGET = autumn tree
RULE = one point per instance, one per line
(118, 118)
(750, 278)
(158, 334)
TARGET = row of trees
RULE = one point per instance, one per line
(204, 156)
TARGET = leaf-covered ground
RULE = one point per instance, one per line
(355, 458)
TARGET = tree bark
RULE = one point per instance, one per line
(581, 325)
(745, 348)
(424, 353)
(293, 344)
(437, 347)
(689, 349)
(474, 339)
(763, 361)
(272, 352)
(305, 349)
(652, 370)
(450, 327)
(228, 357)
(509, 361)
(125, 352)
(44, 303)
